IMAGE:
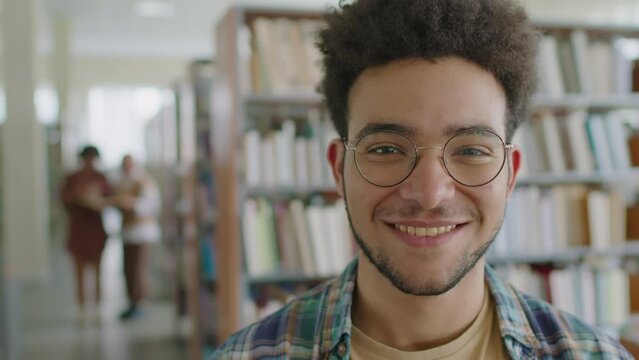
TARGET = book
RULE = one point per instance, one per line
(252, 161)
(284, 160)
(599, 219)
(552, 143)
(618, 138)
(580, 150)
(310, 29)
(622, 65)
(267, 246)
(596, 130)
(250, 237)
(319, 240)
(578, 232)
(583, 68)
(600, 57)
(567, 62)
(550, 79)
(307, 254)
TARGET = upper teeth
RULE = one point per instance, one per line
(424, 231)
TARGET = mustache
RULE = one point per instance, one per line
(412, 209)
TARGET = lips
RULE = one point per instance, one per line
(425, 231)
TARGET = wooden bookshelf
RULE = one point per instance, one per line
(241, 108)
(178, 143)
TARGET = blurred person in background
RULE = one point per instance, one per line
(84, 195)
(138, 198)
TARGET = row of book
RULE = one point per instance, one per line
(294, 238)
(292, 154)
(547, 220)
(282, 58)
(578, 63)
(598, 296)
(578, 141)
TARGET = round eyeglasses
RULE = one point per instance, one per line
(472, 157)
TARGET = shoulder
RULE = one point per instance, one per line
(560, 334)
(292, 331)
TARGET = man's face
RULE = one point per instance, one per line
(431, 100)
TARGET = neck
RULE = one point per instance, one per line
(409, 322)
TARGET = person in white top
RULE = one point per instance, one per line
(138, 198)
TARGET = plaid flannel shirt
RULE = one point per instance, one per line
(318, 324)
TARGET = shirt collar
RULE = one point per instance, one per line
(337, 312)
(511, 311)
(337, 323)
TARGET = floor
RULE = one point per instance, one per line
(53, 328)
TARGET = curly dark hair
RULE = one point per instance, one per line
(495, 34)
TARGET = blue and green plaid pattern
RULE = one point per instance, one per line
(317, 325)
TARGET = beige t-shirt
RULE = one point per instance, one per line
(482, 340)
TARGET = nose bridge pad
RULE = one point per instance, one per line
(440, 155)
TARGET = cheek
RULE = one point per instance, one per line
(489, 201)
(362, 197)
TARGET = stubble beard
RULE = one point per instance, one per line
(384, 265)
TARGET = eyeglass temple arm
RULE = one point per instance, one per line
(348, 147)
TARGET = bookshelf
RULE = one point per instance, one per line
(161, 143)
(579, 175)
(178, 140)
(196, 204)
(250, 111)
(271, 176)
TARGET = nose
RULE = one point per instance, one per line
(429, 183)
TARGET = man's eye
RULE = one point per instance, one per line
(381, 150)
(472, 152)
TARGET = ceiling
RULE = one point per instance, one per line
(115, 27)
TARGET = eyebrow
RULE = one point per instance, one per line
(456, 129)
(412, 132)
(387, 126)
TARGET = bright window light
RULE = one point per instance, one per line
(117, 120)
(3, 107)
(46, 103)
(155, 8)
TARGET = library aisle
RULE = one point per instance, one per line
(52, 329)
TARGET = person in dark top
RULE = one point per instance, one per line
(84, 195)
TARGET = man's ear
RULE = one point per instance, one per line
(335, 157)
(514, 165)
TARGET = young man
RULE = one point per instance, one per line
(426, 95)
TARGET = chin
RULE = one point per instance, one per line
(416, 275)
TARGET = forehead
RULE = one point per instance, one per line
(431, 98)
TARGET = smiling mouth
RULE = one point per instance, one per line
(425, 231)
